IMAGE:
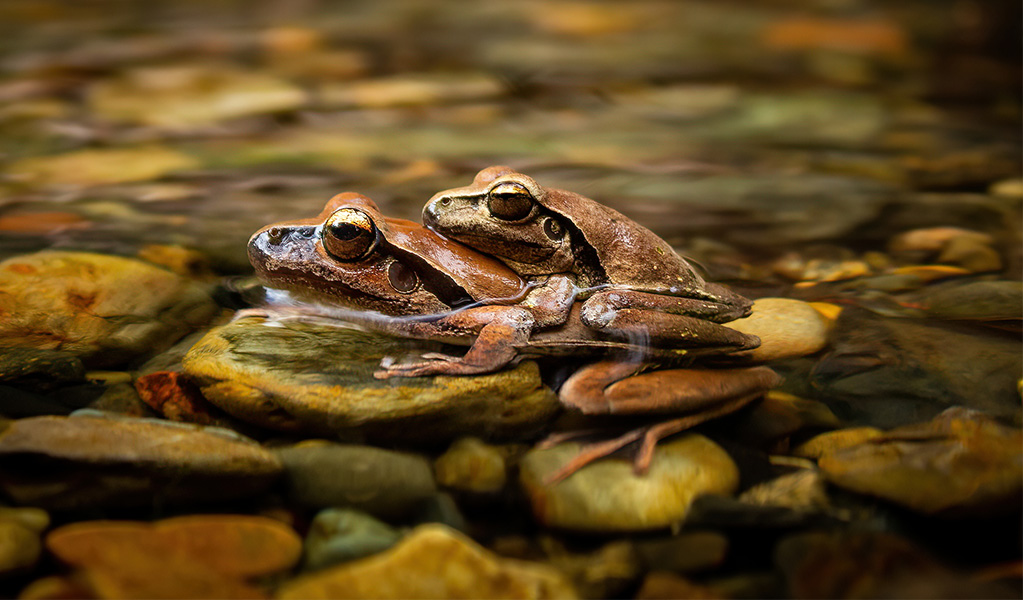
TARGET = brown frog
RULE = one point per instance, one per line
(632, 282)
(407, 280)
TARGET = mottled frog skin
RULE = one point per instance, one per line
(574, 247)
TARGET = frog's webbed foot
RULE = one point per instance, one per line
(433, 363)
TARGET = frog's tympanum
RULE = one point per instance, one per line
(630, 279)
(407, 280)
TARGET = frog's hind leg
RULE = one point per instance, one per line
(703, 393)
(664, 319)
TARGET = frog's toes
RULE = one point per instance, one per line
(440, 357)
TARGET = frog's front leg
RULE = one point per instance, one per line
(615, 387)
(551, 301)
(499, 330)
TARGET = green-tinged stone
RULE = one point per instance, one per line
(608, 496)
(433, 561)
(92, 306)
(382, 482)
(340, 535)
(316, 378)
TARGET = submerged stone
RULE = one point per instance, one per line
(382, 482)
(787, 328)
(318, 378)
(209, 556)
(471, 465)
(339, 535)
(90, 305)
(887, 372)
(432, 561)
(870, 565)
(86, 461)
(959, 464)
(608, 496)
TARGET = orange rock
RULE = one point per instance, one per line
(860, 37)
(184, 557)
(175, 396)
(42, 222)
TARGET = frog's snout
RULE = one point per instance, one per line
(431, 213)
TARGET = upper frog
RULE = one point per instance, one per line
(541, 231)
(550, 235)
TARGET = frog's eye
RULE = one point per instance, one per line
(402, 278)
(553, 229)
(349, 234)
(510, 201)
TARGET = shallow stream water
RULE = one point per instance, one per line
(859, 159)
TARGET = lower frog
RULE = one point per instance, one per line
(404, 279)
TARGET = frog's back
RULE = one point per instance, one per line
(630, 255)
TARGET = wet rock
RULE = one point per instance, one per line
(90, 460)
(959, 464)
(184, 557)
(833, 441)
(471, 465)
(122, 399)
(870, 565)
(775, 417)
(660, 585)
(433, 561)
(177, 398)
(20, 547)
(801, 490)
(607, 572)
(55, 588)
(442, 508)
(787, 328)
(89, 305)
(100, 166)
(188, 96)
(608, 496)
(339, 535)
(411, 90)
(300, 376)
(887, 372)
(972, 301)
(684, 553)
(381, 482)
(39, 368)
(721, 512)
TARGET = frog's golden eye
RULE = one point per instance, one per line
(349, 234)
(402, 278)
(510, 201)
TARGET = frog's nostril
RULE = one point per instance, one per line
(274, 235)
(445, 201)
